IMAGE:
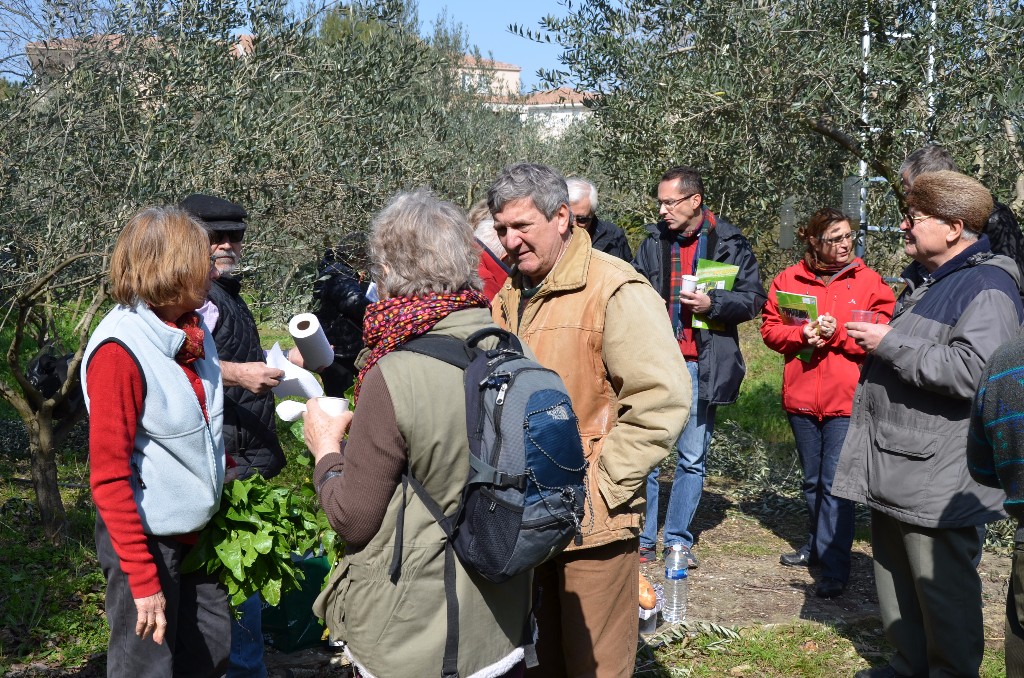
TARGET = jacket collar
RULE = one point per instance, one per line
(978, 251)
(229, 283)
(168, 340)
(806, 271)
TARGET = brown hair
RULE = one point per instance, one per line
(949, 196)
(820, 222)
(689, 180)
(162, 258)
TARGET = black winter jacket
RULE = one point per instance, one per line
(720, 364)
(250, 433)
(339, 304)
(610, 239)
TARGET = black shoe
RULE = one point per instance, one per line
(829, 588)
(886, 671)
(796, 559)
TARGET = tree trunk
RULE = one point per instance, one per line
(44, 478)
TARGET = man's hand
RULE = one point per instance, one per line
(323, 433)
(295, 358)
(697, 302)
(256, 377)
(151, 617)
(867, 335)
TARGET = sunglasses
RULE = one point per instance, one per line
(583, 221)
(217, 237)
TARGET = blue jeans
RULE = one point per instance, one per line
(688, 485)
(246, 659)
(831, 519)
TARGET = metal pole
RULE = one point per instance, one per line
(865, 52)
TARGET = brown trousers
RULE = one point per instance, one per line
(587, 614)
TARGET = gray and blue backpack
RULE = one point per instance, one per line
(524, 497)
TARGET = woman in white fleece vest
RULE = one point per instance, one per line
(156, 454)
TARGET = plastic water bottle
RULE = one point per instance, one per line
(675, 585)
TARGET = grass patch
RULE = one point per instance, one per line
(51, 597)
(774, 651)
(758, 410)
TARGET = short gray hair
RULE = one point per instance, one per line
(580, 187)
(421, 245)
(542, 184)
(930, 158)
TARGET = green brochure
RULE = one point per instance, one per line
(713, 275)
(798, 309)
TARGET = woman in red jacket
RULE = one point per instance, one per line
(820, 377)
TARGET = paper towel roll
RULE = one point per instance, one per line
(290, 410)
(311, 342)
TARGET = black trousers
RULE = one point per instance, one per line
(198, 637)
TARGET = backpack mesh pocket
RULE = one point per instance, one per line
(494, 524)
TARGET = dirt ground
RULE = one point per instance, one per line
(739, 582)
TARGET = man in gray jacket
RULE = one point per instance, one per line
(904, 452)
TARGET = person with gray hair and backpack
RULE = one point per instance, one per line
(443, 515)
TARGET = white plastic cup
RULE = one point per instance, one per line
(863, 316)
(332, 406)
(690, 283)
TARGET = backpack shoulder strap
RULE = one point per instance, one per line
(446, 349)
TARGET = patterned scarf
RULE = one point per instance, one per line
(680, 318)
(192, 349)
(390, 323)
(821, 269)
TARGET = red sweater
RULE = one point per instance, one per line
(824, 386)
(116, 391)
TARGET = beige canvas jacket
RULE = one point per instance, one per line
(598, 324)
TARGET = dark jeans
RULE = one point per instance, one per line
(830, 536)
(198, 633)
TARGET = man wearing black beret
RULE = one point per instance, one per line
(250, 434)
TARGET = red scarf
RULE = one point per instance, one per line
(390, 323)
(192, 349)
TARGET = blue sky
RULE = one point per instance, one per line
(486, 23)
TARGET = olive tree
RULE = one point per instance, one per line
(784, 98)
(309, 123)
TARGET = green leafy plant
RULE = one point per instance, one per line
(250, 541)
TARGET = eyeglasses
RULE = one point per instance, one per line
(669, 204)
(845, 237)
(217, 237)
(583, 221)
(916, 219)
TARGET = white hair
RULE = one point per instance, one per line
(580, 188)
(486, 234)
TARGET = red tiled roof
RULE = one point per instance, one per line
(560, 95)
(470, 61)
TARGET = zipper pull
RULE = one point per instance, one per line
(501, 394)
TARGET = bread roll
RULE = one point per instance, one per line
(648, 598)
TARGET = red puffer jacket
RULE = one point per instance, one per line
(824, 386)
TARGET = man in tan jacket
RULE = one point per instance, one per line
(603, 328)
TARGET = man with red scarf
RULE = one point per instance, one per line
(584, 313)
(687, 232)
